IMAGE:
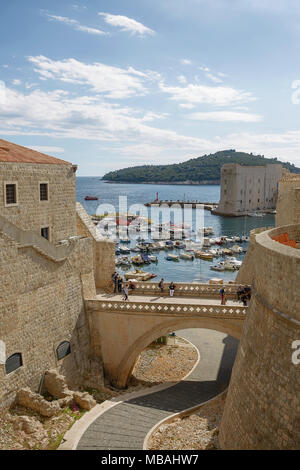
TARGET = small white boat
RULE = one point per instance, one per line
(171, 257)
(123, 261)
(233, 260)
(237, 249)
(188, 256)
(217, 267)
(124, 249)
(153, 259)
(255, 214)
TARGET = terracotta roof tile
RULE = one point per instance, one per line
(10, 152)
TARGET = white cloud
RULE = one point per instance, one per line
(126, 24)
(186, 105)
(186, 62)
(47, 149)
(225, 116)
(182, 79)
(16, 82)
(218, 95)
(59, 115)
(113, 82)
(76, 25)
(213, 78)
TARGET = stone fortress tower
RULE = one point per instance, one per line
(247, 189)
(288, 205)
(50, 255)
(262, 409)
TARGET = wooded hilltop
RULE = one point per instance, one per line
(200, 170)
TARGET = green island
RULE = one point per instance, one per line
(200, 170)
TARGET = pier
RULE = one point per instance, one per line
(158, 203)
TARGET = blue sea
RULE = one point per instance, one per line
(184, 270)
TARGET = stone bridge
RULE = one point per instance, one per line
(121, 330)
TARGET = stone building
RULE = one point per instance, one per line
(247, 189)
(51, 255)
(288, 204)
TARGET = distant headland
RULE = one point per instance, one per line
(196, 171)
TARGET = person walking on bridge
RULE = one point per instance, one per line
(161, 285)
(223, 296)
(172, 289)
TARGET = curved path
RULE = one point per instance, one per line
(125, 426)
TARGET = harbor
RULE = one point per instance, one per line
(189, 267)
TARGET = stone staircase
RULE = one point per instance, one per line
(29, 239)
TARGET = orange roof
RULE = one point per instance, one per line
(10, 152)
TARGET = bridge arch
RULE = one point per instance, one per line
(126, 365)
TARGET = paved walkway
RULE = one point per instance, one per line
(125, 426)
(168, 300)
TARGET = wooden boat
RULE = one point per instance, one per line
(204, 255)
(138, 275)
(91, 198)
(137, 260)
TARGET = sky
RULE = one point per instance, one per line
(115, 83)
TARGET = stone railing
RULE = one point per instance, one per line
(227, 311)
(27, 238)
(186, 289)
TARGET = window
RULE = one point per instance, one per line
(43, 191)
(10, 194)
(13, 363)
(45, 232)
(63, 350)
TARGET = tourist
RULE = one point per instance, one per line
(223, 296)
(120, 284)
(247, 291)
(240, 292)
(244, 299)
(125, 292)
(161, 285)
(172, 289)
(131, 285)
(115, 281)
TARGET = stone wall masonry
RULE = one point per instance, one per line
(288, 204)
(262, 410)
(246, 189)
(42, 305)
(104, 249)
(59, 212)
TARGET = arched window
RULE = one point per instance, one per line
(63, 350)
(13, 363)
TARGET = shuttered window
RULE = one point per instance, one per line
(13, 363)
(63, 350)
(11, 194)
(43, 192)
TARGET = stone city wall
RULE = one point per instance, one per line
(288, 204)
(104, 249)
(262, 409)
(248, 188)
(42, 305)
